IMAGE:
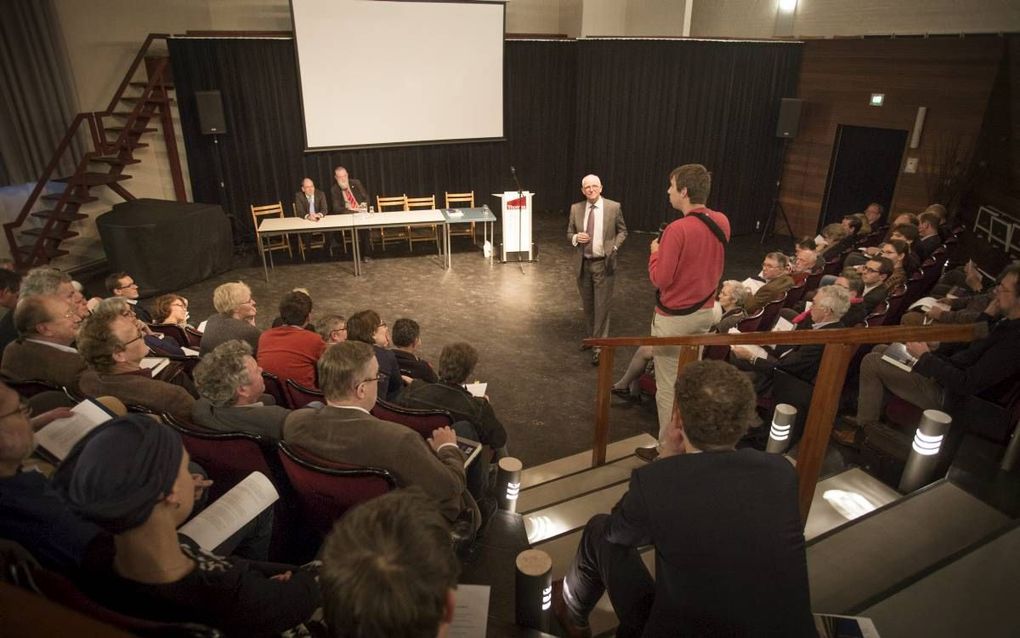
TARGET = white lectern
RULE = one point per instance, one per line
(516, 223)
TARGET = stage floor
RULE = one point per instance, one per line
(527, 327)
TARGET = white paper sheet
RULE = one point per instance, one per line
(59, 436)
(231, 511)
(470, 616)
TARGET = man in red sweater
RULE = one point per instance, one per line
(685, 266)
(290, 351)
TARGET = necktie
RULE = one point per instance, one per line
(589, 228)
(349, 196)
(311, 204)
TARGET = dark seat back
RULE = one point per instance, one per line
(324, 490)
(770, 314)
(194, 337)
(421, 421)
(299, 396)
(173, 331)
(275, 389)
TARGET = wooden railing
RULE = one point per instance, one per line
(840, 346)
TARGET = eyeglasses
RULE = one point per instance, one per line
(141, 335)
(377, 377)
(130, 285)
(23, 408)
(871, 270)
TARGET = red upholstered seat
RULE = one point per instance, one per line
(770, 314)
(299, 396)
(275, 389)
(421, 421)
(324, 490)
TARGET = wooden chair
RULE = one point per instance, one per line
(395, 202)
(421, 421)
(310, 241)
(422, 233)
(324, 490)
(462, 200)
(271, 244)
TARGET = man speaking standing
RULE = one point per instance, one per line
(597, 231)
(685, 266)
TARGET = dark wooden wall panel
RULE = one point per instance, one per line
(951, 76)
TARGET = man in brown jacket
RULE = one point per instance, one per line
(47, 326)
(344, 431)
(775, 270)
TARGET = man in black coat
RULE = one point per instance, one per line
(729, 545)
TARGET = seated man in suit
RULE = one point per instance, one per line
(113, 345)
(232, 394)
(345, 432)
(875, 272)
(801, 361)
(725, 524)
(47, 326)
(310, 202)
(348, 195)
(121, 284)
(46, 280)
(388, 564)
(406, 346)
(775, 270)
(928, 238)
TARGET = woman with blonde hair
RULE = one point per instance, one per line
(234, 318)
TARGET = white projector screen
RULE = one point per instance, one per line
(376, 72)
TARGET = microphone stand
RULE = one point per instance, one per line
(520, 218)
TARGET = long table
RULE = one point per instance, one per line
(356, 221)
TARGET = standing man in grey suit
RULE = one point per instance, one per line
(310, 202)
(597, 231)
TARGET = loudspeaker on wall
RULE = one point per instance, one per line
(789, 117)
(210, 112)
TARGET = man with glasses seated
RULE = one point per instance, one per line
(775, 270)
(367, 327)
(47, 327)
(121, 284)
(332, 329)
(113, 345)
(345, 432)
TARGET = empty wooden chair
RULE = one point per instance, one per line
(271, 244)
(422, 233)
(399, 233)
(461, 200)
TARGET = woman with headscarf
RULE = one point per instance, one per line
(130, 476)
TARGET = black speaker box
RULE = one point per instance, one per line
(210, 112)
(789, 117)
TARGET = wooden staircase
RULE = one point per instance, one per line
(113, 136)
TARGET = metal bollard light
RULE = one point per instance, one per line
(508, 483)
(533, 589)
(783, 419)
(924, 453)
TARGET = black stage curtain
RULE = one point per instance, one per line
(618, 108)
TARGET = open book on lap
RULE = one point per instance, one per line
(59, 436)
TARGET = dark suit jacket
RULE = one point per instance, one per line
(875, 296)
(265, 420)
(729, 545)
(801, 361)
(390, 384)
(923, 248)
(27, 361)
(336, 196)
(301, 203)
(348, 435)
(614, 231)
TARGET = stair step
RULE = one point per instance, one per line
(93, 179)
(824, 516)
(561, 518)
(51, 253)
(165, 85)
(581, 461)
(139, 131)
(852, 567)
(52, 234)
(567, 487)
(116, 161)
(71, 199)
(62, 217)
(152, 98)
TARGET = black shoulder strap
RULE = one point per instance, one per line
(712, 226)
(721, 236)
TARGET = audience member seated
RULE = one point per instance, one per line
(131, 478)
(46, 280)
(853, 224)
(158, 343)
(456, 363)
(232, 394)
(234, 318)
(907, 233)
(290, 351)
(367, 327)
(895, 251)
(944, 226)
(113, 346)
(172, 309)
(836, 241)
(406, 346)
(629, 385)
(775, 270)
(875, 214)
(733, 296)
(875, 274)
(725, 525)
(927, 235)
(278, 320)
(32, 513)
(47, 327)
(10, 284)
(332, 329)
(802, 360)
(345, 432)
(857, 312)
(121, 284)
(905, 218)
(806, 260)
(939, 381)
(388, 569)
(955, 304)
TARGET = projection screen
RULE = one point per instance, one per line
(378, 72)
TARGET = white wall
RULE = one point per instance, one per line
(656, 17)
(603, 17)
